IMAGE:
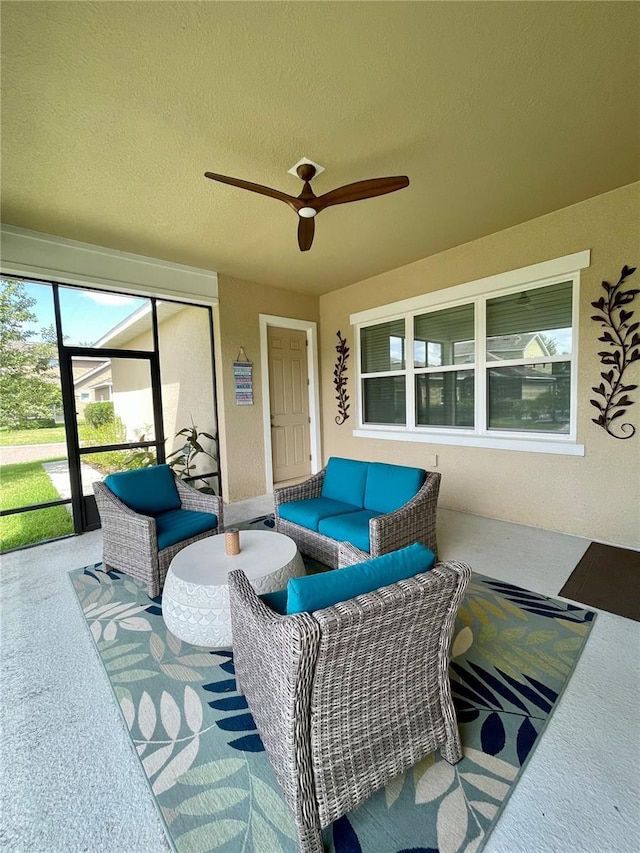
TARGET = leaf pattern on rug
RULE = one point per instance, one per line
(512, 653)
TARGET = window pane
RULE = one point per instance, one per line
(445, 399)
(382, 347)
(120, 404)
(93, 318)
(384, 400)
(530, 397)
(32, 526)
(96, 466)
(530, 324)
(444, 337)
(187, 389)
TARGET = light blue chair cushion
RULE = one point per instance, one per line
(180, 524)
(149, 491)
(314, 592)
(353, 527)
(345, 480)
(308, 513)
(390, 486)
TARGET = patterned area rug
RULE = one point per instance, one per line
(512, 656)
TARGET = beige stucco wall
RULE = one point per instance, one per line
(238, 325)
(596, 496)
(187, 379)
(186, 375)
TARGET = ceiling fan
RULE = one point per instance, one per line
(307, 204)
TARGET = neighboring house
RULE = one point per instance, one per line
(92, 382)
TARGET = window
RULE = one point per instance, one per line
(492, 363)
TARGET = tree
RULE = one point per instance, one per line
(29, 387)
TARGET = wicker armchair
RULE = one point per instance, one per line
(415, 521)
(347, 697)
(130, 542)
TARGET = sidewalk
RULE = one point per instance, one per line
(31, 452)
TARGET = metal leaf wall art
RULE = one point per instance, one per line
(623, 339)
(340, 380)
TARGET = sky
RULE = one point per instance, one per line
(86, 314)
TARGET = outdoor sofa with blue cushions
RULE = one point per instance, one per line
(147, 516)
(373, 505)
(346, 696)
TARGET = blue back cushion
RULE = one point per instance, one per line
(313, 592)
(148, 491)
(345, 481)
(390, 486)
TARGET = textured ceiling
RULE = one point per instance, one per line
(497, 112)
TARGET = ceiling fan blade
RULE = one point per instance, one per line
(306, 229)
(255, 188)
(360, 190)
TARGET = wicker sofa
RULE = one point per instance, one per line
(147, 516)
(375, 506)
(348, 696)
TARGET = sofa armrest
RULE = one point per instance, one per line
(128, 536)
(415, 521)
(348, 555)
(310, 488)
(274, 659)
(196, 501)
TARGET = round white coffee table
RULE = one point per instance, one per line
(195, 598)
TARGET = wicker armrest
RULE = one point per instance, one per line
(311, 488)
(274, 657)
(415, 521)
(127, 521)
(192, 499)
(348, 554)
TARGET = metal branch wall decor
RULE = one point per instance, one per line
(623, 340)
(340, 380)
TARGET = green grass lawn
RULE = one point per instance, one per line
(31, 436)
(24, 484)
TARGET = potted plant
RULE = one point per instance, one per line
(184, 459)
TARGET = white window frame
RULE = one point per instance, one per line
(477, 292)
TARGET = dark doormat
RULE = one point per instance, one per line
(608, 578)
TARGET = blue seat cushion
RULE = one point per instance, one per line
(308, 513)
(314, 592)
(276, 600)
(180, 524)
(345, 480)
(391, 486)
(353, 528)
(149, 491)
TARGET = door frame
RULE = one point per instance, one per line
(310, 327)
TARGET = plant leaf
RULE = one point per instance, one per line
(147, 716)
(452, 821)
(487, 784)
(192, 709)
(209, 836)
(170, 715)
(178, 765)
(212, 772)
(155, 760)
(434, 782)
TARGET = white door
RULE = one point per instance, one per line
(289, 399)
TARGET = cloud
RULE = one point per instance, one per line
(109, 298)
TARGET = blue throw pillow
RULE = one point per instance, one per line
(148, 491)
(314, 592)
